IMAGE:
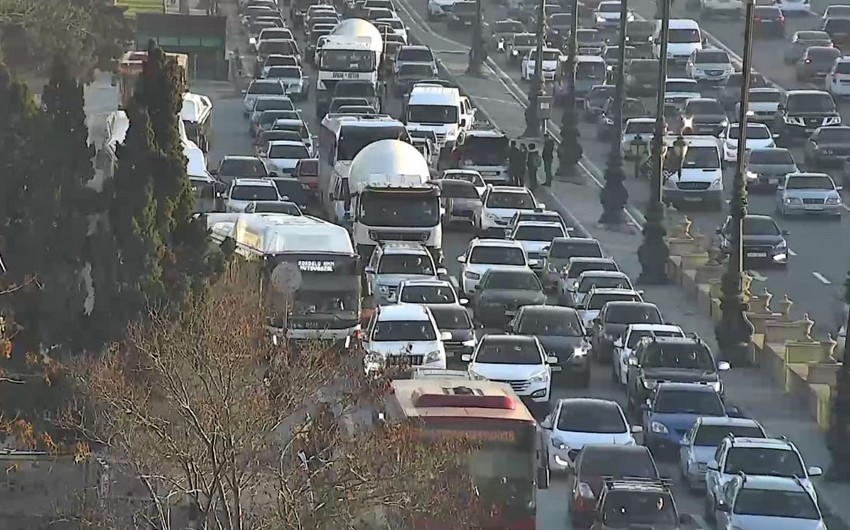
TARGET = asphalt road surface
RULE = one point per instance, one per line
(819, 252)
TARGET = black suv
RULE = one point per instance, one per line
(632, 108)
(801, 112)
(637, 503)
(764, 242)
(703, 116)
(670, 360)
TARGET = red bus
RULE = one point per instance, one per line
(506, 467)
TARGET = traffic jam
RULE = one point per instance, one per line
(389, 217)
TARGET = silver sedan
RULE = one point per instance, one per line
(809, 193)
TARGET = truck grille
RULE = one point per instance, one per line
(388, 235)
(813, 201)
(693, 186)
(517, 386)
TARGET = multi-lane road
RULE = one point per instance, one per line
(819, 252)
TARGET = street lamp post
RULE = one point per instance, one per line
(570, 151)
(476, 51)
(734, 332)
(653, 251)
(615, 195)
(533, 126)
(838, 436)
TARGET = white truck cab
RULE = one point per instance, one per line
(685, 37)
(438, 109)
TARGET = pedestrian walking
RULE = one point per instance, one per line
(513, 163)
(548, 155)
(532, 164)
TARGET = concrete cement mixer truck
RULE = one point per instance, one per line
(392, 198)
(352, 52)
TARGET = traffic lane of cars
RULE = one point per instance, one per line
(807, 281)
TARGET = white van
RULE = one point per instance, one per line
(436, 108)
(685, 38)
(700, 179)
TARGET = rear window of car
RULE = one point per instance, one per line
(603, 462)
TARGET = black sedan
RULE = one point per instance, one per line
(769, 21)
(501, 293)
(764, 242)
(454, 319)
(827, 147)
(560, 331)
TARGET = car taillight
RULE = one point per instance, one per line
(586, 500)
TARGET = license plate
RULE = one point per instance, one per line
(692, 199)
(773, 182)
(756, 254)
(556, 368)
(510, 313)
(814, 207)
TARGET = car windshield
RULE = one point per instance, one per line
(500, 255)
(524, 40)
(440, 114)
(681, 86)
(686, 355)
(268, 117)
(264, 104)
(609, 7)
(473, 178)
(292, 125)
(616, 463)
(771, 157)
(418, 70)
(560, 19)
(598, 301)
(588, 35)
(243, 167)
(842, 67)
(776, 503)
(538, 233)
(821, 54)
(636, 336)
(408, 264)
(760, 226)
(712, 435)
(266, 87)
(577, 267)
(288, 151)
(428, 294)
(458, 190)
(550, 323)
(570, 249)
(601, 418)
(510, 201)
(286, 207)
(837, 135)
(704, 106)
(820, 182)
(284, 72)
(680, 35)
(254, 193)
(712, 57)
(508, 26)
(764, 461)
(633, 314)
(280, 47)
(634, 107)
(810, 102)
(603, 282)
(414, 55)
(626, 508)
(508, 352)
(765, 96)
(702, 157)
(699, 402)
(451, 318)
(639, 127)
(404, 330)
(590, 70)
(520, 280)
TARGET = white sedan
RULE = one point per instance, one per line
(758, 137)
(551, 61)
(283, 155)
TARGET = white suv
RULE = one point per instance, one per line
(838, 78)
(405, 334)
(700, 178)
(709, 65)
(392, 262)
(245, 191)
(483, 255)
(775, 457)
(536, 237)
(500, 203)
(518, 360)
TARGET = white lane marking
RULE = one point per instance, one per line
(845, 207)
(791, 252)
(821, 278)
(757, 276)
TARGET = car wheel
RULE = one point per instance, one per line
(708, 508)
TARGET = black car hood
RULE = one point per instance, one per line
(762, 240)
(559, 345)
(680, 375)
(510, 295)
(823, 114)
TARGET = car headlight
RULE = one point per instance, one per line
(600, 18)
(833, 120)
(752, 176)
(541, 377)
(433, 356)
(833, 200)
(650, 384)
(469, 343)
(658, 428)
(383, 289)
(793, 200)
(559, 444)
(471, 275)
(717, 184)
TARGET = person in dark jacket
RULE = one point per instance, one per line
(548, 155)
(514, 164)
(532, 163)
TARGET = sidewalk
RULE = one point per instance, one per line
(578, 200)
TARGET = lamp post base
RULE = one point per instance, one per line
(653, 251)
(735, 346)
(614, 195)
(734, 332)
(570, 150)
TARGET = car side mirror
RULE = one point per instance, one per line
(445, 335)
(551, 360)
(712, 466)
(441, 271)
(466, 357)
(723, 366)
(369, 270)
(733, 412)
(546, 423)
(839, 188)
(815, 471)
(786, 233)
(636, 429)
(541, 205)
(461, 259)
(244, 91)
(632, 361)
(596, 321)
(463, 301)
